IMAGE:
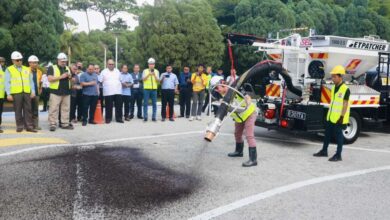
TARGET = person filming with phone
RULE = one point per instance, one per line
(60, 77)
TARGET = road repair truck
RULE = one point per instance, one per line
(295, 87)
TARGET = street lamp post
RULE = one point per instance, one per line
(116, 51)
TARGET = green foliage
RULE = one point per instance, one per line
(32, 27)
(223, 11)
(109, 8)
(180, 33)
(258, 17)
(89, 48)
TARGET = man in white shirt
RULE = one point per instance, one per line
(232, 78)
(112, 91)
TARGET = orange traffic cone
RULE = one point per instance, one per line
(167, 115)
(98, 117)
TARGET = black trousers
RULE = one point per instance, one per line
(136, 97)
(167, 97)
(75, 106)
(1, 109)
(206, 101)
(45, 97)
(110, 101)
(101, 98)
(126, 104)
(336, 130)
(185, 101)
(89, 103)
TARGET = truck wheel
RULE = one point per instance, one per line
(352, 131)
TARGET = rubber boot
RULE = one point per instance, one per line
(252, 158)
(238, 152)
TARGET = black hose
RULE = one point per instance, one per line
(256, 73)
(262, 70)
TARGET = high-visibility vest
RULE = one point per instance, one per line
(336, 105)
(151, 82)
(20, 80)
(2, 84)
(208, 81)
(243, 116)
(57, 73)
(39, 78)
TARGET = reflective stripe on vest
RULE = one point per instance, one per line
(243, 116)
(20, 81)
(2, 84)
(151, 83)
(57, 73)
(336, 105)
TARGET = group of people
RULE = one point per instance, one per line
(67, 86)
(71, 93)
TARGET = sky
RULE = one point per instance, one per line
(96, 19)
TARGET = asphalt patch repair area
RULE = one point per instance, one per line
(92, 180)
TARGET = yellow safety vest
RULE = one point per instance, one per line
(336, 105)
(20, 81)
(39, 78)
(57, 73)
(2, 84)
(151, 83)
(208, 81)
(243, 116)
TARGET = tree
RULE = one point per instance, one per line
(109, 8)
(32, 27)
(70, 44)
(258, 17)
(180, 33)
(223, 11)
(119, 24)
(80, 5)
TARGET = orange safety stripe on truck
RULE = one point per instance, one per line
(272, 90)
(353, 64)
(325, 95)
(372, 101)
(275, 56)
(319, 56)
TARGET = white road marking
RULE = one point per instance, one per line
(96, 142)
(314, 143)
(79, 212)
(283, 189)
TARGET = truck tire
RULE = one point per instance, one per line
(352, 131)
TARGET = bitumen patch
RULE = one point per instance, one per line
(114, 178)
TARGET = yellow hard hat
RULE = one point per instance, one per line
(338, 70)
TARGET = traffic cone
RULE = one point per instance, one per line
(167, 115)
(98, 117)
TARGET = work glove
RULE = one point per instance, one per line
(340, 121)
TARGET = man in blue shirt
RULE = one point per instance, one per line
(169, 84)
(89, 82)
(127, 82)
(136, 92)
(185, 92)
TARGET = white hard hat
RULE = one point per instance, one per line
(33, 58)
(151, 61)
(62, 57)
(216, 80)
(16, 55)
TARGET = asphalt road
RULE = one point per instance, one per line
(165, 170)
